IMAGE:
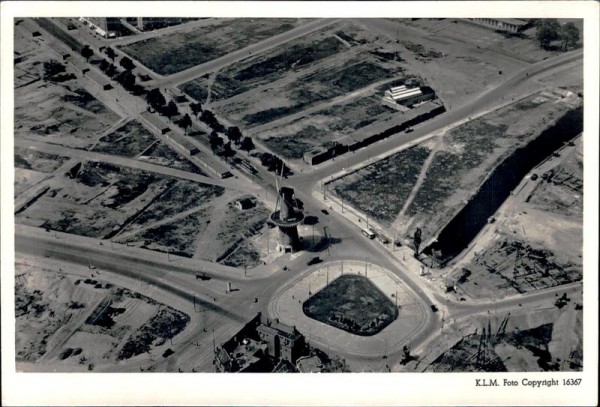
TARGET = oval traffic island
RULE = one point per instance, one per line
(352, 303)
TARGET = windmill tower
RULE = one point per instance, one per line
(287, 216)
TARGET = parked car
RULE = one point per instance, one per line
(314, 260)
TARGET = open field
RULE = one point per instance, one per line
(93, 199)
(198, 221)
(469, 153)
(312, 88)
(352, 303)
(179, 196)
(326, 126)
(381, 189)
(521, 46)
(129, 140)
(267, 67)
(230, 227)
(60, 113)
(182, 50)
(81, 323)
(38, 160)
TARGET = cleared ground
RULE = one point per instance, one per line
(128, 140)
(201, 222)
(80, 323)
(537, 241)
(381, 189)
(182, 50)
(549, 339)
(253, 72)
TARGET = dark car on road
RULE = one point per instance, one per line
(324, 212)
(314, 260)
(434, 308)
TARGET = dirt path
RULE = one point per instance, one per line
(110, 130)
(417, 186)
(207, 240)
(209, 85)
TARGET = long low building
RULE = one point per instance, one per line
(512, 25)
(373, 133)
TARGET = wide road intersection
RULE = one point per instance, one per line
(344, 239)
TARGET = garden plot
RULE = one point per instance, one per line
(380, 190)
(160, 153)
(93, 199)
(53, 111)
(61, 114)
(128, 140)
(81, 323)
(194, 220)
(351, 72)
(176, 52)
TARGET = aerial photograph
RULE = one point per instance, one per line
(298, 195)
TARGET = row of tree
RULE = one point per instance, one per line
(549, 30)
(274, 164)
